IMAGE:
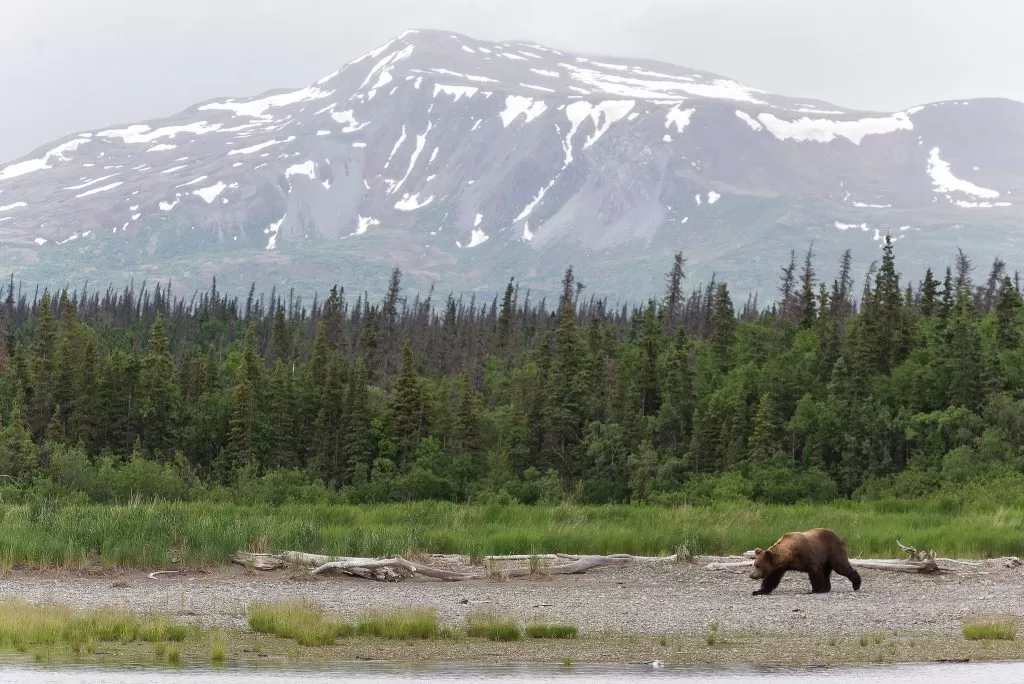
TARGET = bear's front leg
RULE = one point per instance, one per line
(770, 581)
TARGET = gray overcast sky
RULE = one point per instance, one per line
(70, 65)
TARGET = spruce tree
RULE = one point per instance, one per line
(159, 397)
(963, 355)
(929, 294)
(674, 294)
(1008, 307)
(409, 414)
(724, 322)
(44, 366)
(763, 442)
(357, 447)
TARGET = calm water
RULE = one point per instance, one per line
(989, 673)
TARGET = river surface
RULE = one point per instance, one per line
(988, 673)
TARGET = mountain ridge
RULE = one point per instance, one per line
(466, 162)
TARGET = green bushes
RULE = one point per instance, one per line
(146, 534)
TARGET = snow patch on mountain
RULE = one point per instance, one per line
(211, 193)
(679, 117)
(348, 118)
(306, 168)
(749, 120)
(806, 129)
(458, 92)
(86, 184)
(257, 108)
(100, 189)
(44, 162)
(477, 238)
(412, 202)
(141, 134)
(421, 141)
(261, 146)
(365, 223)
(945, 182)
(516, 106)
(272, 230)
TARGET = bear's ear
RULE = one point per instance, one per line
(758, 552)
(767, 555)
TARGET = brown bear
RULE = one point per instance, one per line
(817, 552)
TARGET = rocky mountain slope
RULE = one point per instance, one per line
(466, 162)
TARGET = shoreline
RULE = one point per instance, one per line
(635, 613)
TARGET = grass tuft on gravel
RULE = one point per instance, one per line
(307, 623)
(485, 624)
(990, 629)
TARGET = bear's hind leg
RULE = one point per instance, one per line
(819, 581)
(769, 582)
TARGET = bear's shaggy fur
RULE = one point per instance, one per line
(817, 552)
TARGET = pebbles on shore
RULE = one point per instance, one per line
(643, 599)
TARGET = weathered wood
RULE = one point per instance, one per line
(379, 569)
(925, 567)
(572, 556)
(157, 573)
(398, 568)
(924, 562)
(582, 564)
(259, 561)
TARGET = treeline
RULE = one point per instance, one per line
(833, 390)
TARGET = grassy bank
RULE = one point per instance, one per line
(304, 634)
(147, 535)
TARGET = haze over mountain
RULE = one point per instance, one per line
(466, 163)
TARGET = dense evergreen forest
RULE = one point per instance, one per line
(835, 390)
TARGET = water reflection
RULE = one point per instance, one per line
(989, 673)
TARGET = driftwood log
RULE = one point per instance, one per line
(924, 562)
(380, 569)
(398, 568)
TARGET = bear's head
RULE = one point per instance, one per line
(764, 563)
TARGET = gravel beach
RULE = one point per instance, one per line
(643, 599)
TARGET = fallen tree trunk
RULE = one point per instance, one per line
(380, 569)
(572, 556)
(580, 565)
(924, 562)
(398, 568)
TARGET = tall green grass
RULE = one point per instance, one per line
(305, 622)
(977, 629)
(145, 534)
(491, 625)
(407, 623)
(24, 625)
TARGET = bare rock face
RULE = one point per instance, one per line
(465, 163)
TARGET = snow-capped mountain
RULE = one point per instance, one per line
(467, 162)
